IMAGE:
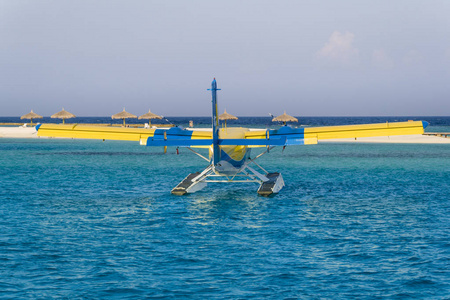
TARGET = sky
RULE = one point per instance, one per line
(308, 58)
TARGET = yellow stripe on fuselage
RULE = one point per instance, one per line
(235, 152)
(205, 133)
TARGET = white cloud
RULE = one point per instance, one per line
(381, 60)
(339, 49)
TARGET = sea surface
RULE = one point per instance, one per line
(86, 219)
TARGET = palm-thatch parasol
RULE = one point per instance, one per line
(123, 115)
(31, 115)
(150, 116)
(285, 118)
(226, 116)
(63, 115)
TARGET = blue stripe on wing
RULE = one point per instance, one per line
(183, 138)
(206, 142)
(294, 136)
(179, 142)
(176, 137)
(172, 133)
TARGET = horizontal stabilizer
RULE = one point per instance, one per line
(222, 142)
(253, 142)
(179, 142)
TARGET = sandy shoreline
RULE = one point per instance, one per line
(30, 132)
(18, 132)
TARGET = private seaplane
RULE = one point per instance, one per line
(230, 148)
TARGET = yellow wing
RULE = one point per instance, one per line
(311, 135)
(94, 132)
(366, 130)
(111, 133)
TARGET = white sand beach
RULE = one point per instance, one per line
(18, 132)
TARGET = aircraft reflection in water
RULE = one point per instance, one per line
(230, 148)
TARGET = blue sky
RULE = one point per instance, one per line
(310, 58)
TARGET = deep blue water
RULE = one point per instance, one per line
(95, 220)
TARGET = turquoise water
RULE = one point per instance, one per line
(90, 219)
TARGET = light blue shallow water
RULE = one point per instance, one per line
(91, 219)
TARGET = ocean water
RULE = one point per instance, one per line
(84, 219)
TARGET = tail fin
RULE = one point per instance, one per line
(215, 123)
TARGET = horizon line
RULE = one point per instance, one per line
(309, 116)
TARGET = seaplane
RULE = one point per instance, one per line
(230, 148)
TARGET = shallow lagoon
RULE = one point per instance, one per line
(92, 219)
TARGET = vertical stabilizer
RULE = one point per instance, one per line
(215, 123)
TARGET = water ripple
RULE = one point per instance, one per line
(96, 220)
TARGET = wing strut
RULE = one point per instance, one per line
(198, 154)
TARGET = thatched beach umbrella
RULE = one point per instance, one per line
(31, 115)
(123, 115)
(285, 118)
(150, 116)
(63, 115)
(226, 116)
